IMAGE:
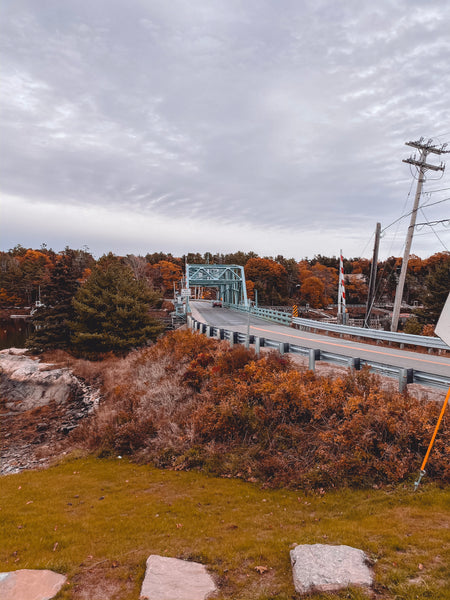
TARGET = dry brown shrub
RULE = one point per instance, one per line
(193, 402)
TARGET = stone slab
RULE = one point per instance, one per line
(174, 579)
(326, 568)
(30, 584)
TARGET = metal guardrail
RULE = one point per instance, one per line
(403, 339)
(269, 314)
(403, 375)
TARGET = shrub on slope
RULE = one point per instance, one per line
(193, 402)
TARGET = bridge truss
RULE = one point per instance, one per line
(228, 279)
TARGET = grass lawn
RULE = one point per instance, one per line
(98, 520)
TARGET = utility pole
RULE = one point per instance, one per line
(373, 276)
(342, 310)
(425, 148)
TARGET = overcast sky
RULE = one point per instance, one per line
(275, 126)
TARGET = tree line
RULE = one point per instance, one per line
(98, 306)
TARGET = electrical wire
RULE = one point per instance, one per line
(434, 191)
(430, 224)
(437, 202)
(410, 212)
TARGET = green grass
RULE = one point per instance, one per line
(98, 520)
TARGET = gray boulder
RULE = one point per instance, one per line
(30, 584)
(324, 568)
(175, 579)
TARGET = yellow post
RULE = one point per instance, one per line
(425, 460)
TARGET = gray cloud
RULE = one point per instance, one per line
(288, 115)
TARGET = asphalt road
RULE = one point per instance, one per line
(237, 321)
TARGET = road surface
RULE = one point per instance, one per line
(237, 321)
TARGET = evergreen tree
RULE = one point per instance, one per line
(112, 311)
(51, 322)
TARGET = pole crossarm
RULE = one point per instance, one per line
(228, 279)
(428, 146)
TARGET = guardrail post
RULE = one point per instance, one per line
(222, 334)
(314, 355)
(283, 347)
(208, 331)
(234, 339)
(354, 363)
(405, 376)
(259, 343)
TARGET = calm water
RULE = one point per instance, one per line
(13, 333)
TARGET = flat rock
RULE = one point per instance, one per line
(28, 383)
(324, 568)
(30, 584)
(175, 579)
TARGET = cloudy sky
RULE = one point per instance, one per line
(269, 125)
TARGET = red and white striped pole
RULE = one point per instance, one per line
(341, 290)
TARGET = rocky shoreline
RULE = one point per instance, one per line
(40, 404)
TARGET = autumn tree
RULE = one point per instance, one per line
(157, 257)
(269, 278)
(11, 280)
(437, 286)
(35, 267)
(111, 311)
(312, 292)
(164, 274)
(51, 322)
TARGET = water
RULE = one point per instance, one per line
(14, 332)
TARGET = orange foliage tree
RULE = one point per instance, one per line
(164, 274)
(312, 292)
(269, 278)
(36, 267)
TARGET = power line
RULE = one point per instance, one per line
(437, 202)
(410, 212)
(432, 223)
(434, 191)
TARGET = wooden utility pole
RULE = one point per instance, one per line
(373, 276)
(425, 148)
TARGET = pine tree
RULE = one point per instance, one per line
(111, 311)
(51, 323)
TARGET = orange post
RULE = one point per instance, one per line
(425, 460)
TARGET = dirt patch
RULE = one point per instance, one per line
(111, 581)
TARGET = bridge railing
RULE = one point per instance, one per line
(404, 376)
(402, 339)
(269, 314)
